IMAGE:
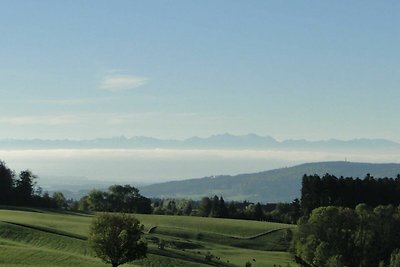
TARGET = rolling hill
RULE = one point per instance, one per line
(39, 237)
(279, 185)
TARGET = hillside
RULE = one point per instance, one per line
(279, 185)
(35, 237)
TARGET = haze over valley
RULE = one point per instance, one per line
(73, 164)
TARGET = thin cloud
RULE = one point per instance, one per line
(102, 118)
(39, 120)
(118, 82)
(126, 118)
(69, 101)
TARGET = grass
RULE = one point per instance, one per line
(41, 239)
(231, 227)
(21, 245)
(49, 238)
(31, 256)
(158, 260)
(73, 224)
(273, 241)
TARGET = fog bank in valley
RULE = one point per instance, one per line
(144, 166)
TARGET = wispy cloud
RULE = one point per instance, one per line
(39, 120)
(115, 82)
(126, 118)
(68, 101)
(103, 118)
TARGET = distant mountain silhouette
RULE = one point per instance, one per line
(279, 185)
(222, 141)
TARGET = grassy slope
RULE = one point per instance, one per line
(271, 241)
(229, 227)
(22, 245)
(26, 246)
(50, 237)
(73, 224)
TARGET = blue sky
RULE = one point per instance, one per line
(176, 69)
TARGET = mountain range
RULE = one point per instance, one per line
(278, 185)
(221, 141)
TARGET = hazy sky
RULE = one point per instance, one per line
(175, 69)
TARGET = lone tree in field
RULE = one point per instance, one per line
(116, 238)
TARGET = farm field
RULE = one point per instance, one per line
(34, 237)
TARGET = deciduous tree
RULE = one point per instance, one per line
(116, 238)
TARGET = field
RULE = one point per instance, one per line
(33, 237)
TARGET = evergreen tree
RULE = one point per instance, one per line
(188, 208)
(258, 212)
(205, 207)
(223, 210)
(215, 208)
(6, 184)
(171, 207)
(232, 211)
(25, 188)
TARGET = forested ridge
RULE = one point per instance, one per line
(272, 186)
(330, 190)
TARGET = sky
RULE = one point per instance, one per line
(176, 69)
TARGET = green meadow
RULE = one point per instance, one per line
(35, 237)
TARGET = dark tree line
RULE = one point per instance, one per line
(281, 212)
(117, 198)
(214, 207)
(22, 190)
(329, 190)
(218, 208)
(172, 206)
